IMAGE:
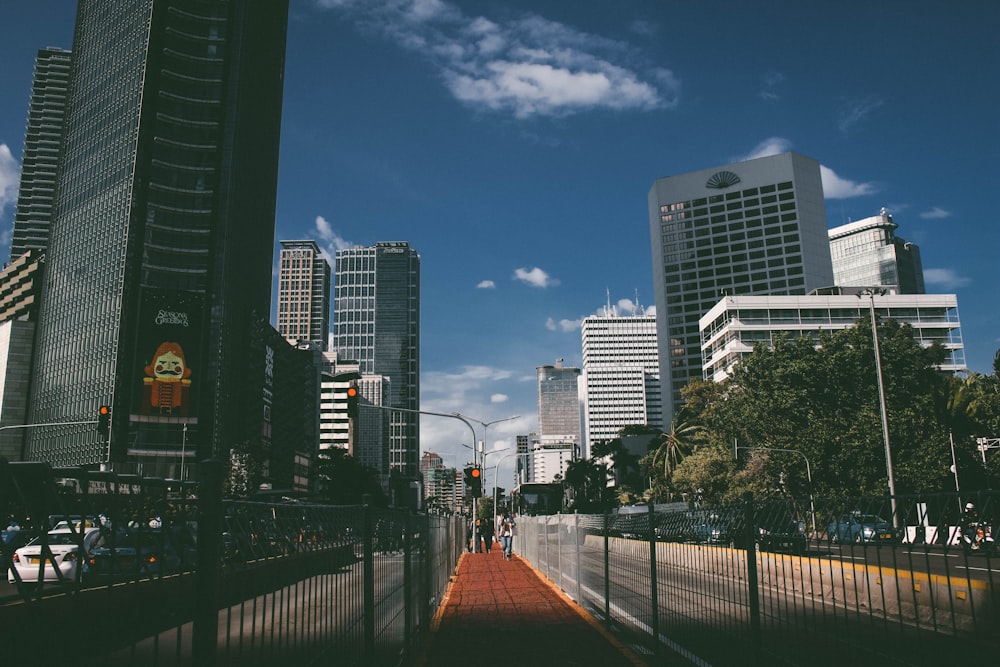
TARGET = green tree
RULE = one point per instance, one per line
(586, 485)
(342, 480)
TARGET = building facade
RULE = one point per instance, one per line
(754, 227)
(303, 293)
(731, 328)
(868, 253)
(621, 374)
(559, 416)
(160, 248)
(377, 324)
(42, 138)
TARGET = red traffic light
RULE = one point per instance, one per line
(104, 410)
(476, 472)
(352, 392)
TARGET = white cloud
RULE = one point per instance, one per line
(835, 187)
(769, 86)
(526, 66)
(853, 112)
(486, 284)
(563, 325)
(766, 148)
(535, 277)
(945, 279)
(499, 398)
(330, 240)
(9, 177)
(936, 213)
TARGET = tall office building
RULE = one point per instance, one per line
(867, 253)
(376, 322)
(46, 113)
(559, 418)
(303, 293)
(621, 374)
(754, 227)
(158, 270)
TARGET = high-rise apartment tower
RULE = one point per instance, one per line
(46, 113)
(158, 270)
(303, 293)
(754, 227)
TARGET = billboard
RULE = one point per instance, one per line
(169, 333)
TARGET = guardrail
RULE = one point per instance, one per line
(169, 573)
(755, 583)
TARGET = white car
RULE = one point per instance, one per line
(64, 545)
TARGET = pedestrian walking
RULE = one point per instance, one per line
(487, 529)
(507, 535)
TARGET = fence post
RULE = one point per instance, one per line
(607, 567)
(654, 598)
(368, 579)
(753, 594)
(407, 584)
(205, 620)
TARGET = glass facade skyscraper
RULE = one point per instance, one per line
(46, 113)
(559, 416)
(160, 248)
(867, 253)
(754, 227)
(376, 322)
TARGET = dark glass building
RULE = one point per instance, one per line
(160, 248)
(377, 323)
(40, 160)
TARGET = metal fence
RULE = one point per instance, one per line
(809, 582)
(133, 571)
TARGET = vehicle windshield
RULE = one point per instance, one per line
(58, 538)
(870, 518)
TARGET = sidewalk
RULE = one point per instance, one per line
(498, 608)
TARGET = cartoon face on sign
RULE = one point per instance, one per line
(167, 382)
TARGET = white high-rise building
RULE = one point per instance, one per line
(754, 227)
(621, 374)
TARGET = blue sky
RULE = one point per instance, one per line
(513, 145)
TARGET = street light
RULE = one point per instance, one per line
(812, 505)
(496, 477)
(870, 292)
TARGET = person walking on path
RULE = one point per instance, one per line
(486, 527)
(506, 535)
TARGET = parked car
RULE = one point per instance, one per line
(32, 564)
(13, 539)
(861, 529)
(782, 533)
(138, 554)
(712, 530)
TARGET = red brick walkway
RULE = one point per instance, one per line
(498, 609)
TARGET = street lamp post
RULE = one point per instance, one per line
(485, 426)
(812, 505)
(870, 293)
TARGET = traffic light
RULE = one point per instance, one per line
(104, 421)
(477, 482)
(352, 401)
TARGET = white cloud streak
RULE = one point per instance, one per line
(563, 325)
(853, 112)
(535, 277)
(329, 239)
(936, 213)
(945, 279)
(10, 175)
(835, 187)
(486, 284)
(526, 66)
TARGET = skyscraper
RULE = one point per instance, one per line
(754, 227)
(303, 293)
(158, 270)
(559, 419)
(621, 374)
(376, 322)
(46, 113)
(867, 253)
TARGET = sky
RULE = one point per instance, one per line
(513, 144)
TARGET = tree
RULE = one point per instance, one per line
(342, 480)
(586, 485)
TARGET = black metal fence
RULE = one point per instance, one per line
(806, 582)
(130, 571)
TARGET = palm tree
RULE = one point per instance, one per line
(676, 444)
